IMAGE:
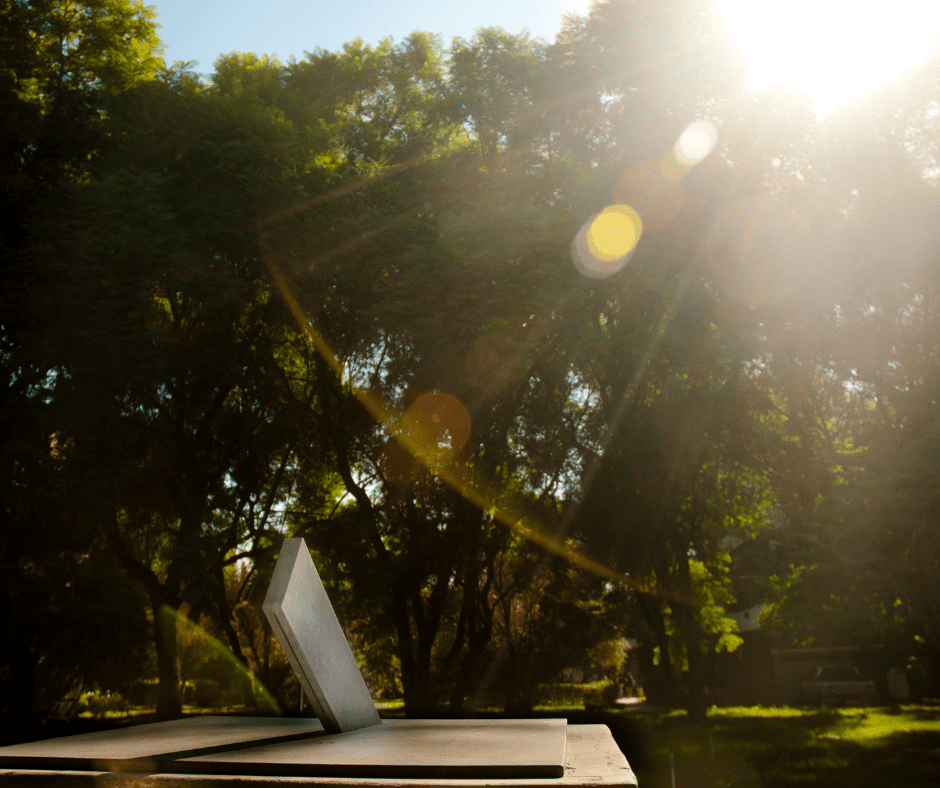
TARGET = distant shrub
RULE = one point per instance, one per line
(604, 695)
(572, 694)
(98, 704)
(561, 694)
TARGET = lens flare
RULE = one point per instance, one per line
(211, 647)
(605, 242)
(435, 427)
(696, 142)
(614, 233)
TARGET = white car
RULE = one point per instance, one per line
(833, 684)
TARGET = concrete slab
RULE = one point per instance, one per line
(448, 749)
(591, 759)
(474, 749)
(139, 747)
(306, 626)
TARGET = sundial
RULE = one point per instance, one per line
(347, 744)
(303, 620)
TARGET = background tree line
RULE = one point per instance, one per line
(355, 298)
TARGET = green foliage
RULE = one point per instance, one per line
(63, 60)
(380, 106)
(493, 83)
(609, 655)
(717, 632)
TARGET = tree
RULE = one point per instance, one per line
(493, 84)
(450, 267)
(62, 64)
(382, 107)
(370, 298)
(178, 389)
(548, 618)
(214, 421)
(869, 330)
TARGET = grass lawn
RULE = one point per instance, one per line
(775, 747)
(148, 711)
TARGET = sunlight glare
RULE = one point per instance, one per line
(834, 50)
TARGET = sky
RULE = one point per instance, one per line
(201, 30)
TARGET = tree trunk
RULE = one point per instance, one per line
(692, 637)
(692, 634)
(164, 602)
(169, 702)
(416, 687)
(480, 635)
(654, 617)
(226, 620)
(20, 685)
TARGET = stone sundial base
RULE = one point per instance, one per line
(251, 751)
(347, 745)
(469, 749)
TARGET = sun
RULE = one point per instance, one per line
(835, 50)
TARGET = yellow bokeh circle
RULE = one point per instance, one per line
(614, 233)
(606, 241)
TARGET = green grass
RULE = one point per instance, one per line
(139, 711)
(788, 747)
(134, 711)
(557, 698)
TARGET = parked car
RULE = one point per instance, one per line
(832, 684)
